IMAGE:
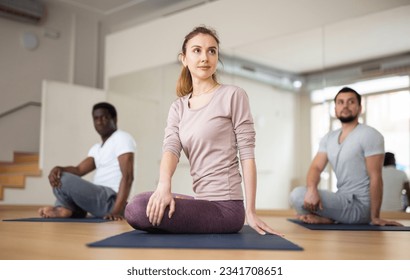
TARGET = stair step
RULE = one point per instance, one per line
(12, 180)
(23, 157)
(13, 174)
(26, 168)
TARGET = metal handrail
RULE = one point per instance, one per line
(18, 108)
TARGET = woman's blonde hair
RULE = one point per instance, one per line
(184, 83)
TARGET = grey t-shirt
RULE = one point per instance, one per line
(348, 158)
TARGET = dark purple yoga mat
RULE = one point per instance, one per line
(355, 227)
(246, 239)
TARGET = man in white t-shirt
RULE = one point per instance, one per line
(394, 183)
(356, 153)
(113, 162)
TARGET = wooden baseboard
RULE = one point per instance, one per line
(276, 212)
(19, 207)
(395, 215)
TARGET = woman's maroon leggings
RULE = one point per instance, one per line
(190, 216)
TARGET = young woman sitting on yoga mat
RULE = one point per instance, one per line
(211, 122)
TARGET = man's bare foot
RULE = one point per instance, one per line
(55, 212)
(314, 219)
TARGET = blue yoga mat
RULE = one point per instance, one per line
(60, 220)
(355, 227)
(247, 238)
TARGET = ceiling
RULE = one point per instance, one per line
(295, 36)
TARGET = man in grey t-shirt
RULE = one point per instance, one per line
(356, 153)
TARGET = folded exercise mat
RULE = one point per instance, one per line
(355, 227)
(247, 238)
(60, 220)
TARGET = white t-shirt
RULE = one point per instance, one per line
(108, 172)
(393, 180)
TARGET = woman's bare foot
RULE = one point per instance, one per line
(315, 219)
(55, 212)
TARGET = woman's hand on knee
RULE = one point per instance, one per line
(157, 205)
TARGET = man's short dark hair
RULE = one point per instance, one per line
(389, 159)
(347, 89)
(104, 105)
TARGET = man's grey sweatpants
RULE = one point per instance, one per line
(81, 196)
(342, 208)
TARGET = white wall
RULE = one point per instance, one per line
(20, 131)
(72, 57)
(67, 133)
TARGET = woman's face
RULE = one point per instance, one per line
(201, 56)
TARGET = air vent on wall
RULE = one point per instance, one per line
(389, 66)
(371, 68)
(258, 72)
(29, 11)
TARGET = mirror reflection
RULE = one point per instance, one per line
(291, 80)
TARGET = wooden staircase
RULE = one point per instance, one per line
(13, 174)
